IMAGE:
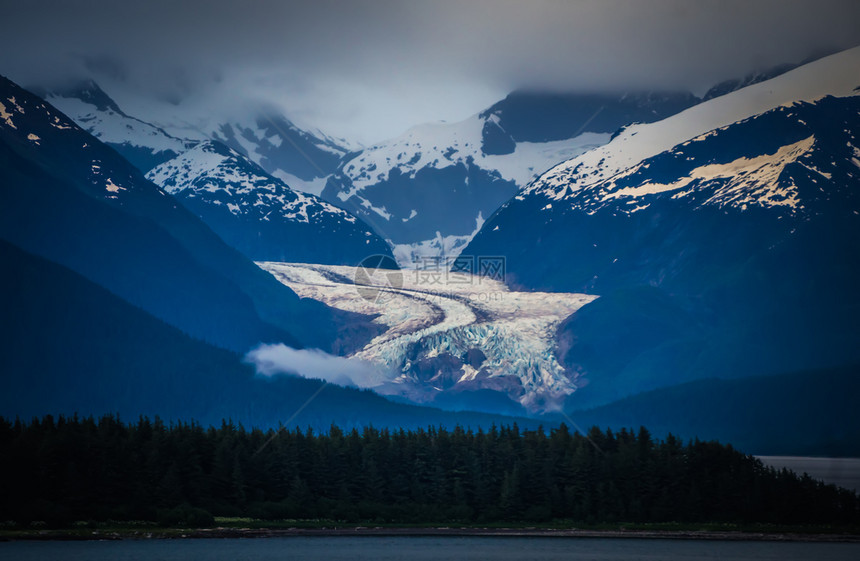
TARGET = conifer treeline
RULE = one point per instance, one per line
(68, 469)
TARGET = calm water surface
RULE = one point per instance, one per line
(844, 472)
(420, 549)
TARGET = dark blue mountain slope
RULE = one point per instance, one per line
(69, 346)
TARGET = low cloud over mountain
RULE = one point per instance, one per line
(371, 68)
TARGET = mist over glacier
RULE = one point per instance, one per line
(279, 359)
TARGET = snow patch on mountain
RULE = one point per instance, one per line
(756, 180)
(312, 187)
(113, 187)
(741, 182)
(381, 211)
(7, 117)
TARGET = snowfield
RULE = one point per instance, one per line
(446, 331)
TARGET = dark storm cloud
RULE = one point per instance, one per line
(309, 49)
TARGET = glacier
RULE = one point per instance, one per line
(446, 331)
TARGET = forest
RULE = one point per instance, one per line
(58, 471)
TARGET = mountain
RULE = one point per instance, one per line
(301, 158)
(71, 199)
(141, 143)
(807, 413)
(69, 346)
(430, 189)
(724, 241)
(160, 131)
(259, 214)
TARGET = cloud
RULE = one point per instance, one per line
(379, 65)
(273, 360)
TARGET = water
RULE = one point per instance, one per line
(423, 548)
(844, 472)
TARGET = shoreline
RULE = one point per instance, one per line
(380, 531)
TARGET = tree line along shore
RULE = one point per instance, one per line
(60, 471)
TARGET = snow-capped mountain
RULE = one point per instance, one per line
(724, 240)
(141, 143)
(259, 214)
(828, 76)
(428, 189)
(160, 131)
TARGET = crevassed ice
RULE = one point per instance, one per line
(514, 330)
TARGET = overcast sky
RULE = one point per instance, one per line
(370, 69)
